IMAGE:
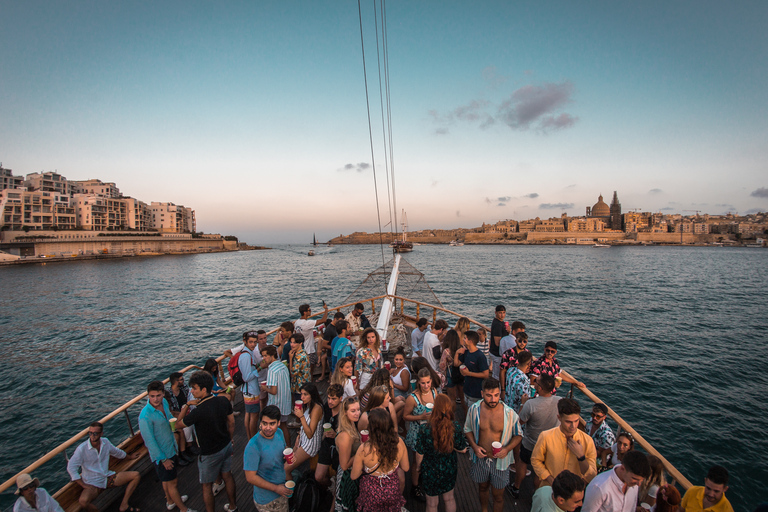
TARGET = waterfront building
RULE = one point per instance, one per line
(172, 218)
(8, 180)
(48, 182)
(583, 224)
(95, 187)
(35, 209)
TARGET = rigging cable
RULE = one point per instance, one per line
(389, 107)
(379, 53)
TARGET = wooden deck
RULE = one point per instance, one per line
(149, 495)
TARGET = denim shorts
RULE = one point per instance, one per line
(209, 466)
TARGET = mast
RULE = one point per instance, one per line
(388, 306)
(314, 239)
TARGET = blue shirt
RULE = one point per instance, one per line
(265, 457)
(417, 339)
(340, 347)
(278, 375)
(249, 371)
(156, 431)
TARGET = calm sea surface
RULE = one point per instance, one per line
(674, 339)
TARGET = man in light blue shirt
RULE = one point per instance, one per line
(157, 432)
(565, 495)
(263, 463)
(278, 386)
(417, 336)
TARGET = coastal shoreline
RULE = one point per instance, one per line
(32, 260)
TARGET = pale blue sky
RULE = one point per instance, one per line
(249, 112)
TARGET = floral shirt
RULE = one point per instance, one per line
(509, 359)
(367, 361)
(543, 366)
(518, 385)
(299, 370)
(603, 436)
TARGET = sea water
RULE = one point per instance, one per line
(672, 338)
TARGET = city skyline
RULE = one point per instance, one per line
(255, 115)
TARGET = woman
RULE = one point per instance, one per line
(401, 377)
(416, 412)
(310, 433)
(368, 356)
(343, 376)
(454, 384)
(214, 368)
(437, 443)
(667, 499)
(376, 463)
(417, 363)
(623, 444)
(347, 443)
(650, 487)
(382, 378)
(378, 399)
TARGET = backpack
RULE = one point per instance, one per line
(309, 496)
(234, 368)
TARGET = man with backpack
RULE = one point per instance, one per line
(244, 372)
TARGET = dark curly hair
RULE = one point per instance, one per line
(382, 437)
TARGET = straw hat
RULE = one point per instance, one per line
(24, 480)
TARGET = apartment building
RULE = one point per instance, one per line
(8, 180)
(35, 209)
(48, 182)
(172, 218)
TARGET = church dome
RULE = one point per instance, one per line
(601, 209)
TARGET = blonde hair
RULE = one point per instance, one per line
(338, 376)
(345, 425)
(462, 326)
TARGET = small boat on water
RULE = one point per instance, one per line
(456, 243)
(402, 245)
(311, 252)
(600, 245)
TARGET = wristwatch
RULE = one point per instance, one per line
(582, 458)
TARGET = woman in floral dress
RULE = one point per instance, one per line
(437, 442)
(368, 356)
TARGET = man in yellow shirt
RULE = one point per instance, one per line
(565, 447)
(711, 497)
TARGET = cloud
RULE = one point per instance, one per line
(488, 200)
(502, 204)
(571, 186)
(441, 131)
(494, 79)
(761, 192)
(458, 213)
(667, 209)
(556, 123)
(362, 166)
(534, 106)
(532, 195)
(505, 199)
(655, 191)
(555, 206)
(754, 210)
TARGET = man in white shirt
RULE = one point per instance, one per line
(565, 495)
(616, 490)
(432, 350)
(306, 326)
(89, 467)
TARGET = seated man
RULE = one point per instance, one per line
(33, 497)
(711, 496)
(616, 490)
(565, 447)
(565, 495)
(601, 433)
(89, 467)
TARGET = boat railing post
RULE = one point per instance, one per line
(434, 315)
(402, 307)
(373, 307)
(128, 419)
(418, 311)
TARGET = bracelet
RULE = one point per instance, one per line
(582, 458)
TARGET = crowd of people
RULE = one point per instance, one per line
(382, 423)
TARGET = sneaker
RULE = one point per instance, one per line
(217, 488)
(418, 494)
(171, 506)
(228, 509)
(514, 491)
(183, 462)
(188, 457)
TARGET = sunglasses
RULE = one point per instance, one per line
(550, 351)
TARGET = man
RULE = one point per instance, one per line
(509, 356)
(327, 455)
(537, 414)
(499, 329)
(515, 385)
(473, 366)
(341, 346)
(306, 327)
(489, 421)
(431, 346)
(417, 337)
(89, 467)
(507, 342)
(176, 395)
(281, 339)
(261, 342)
(329, 334)
(263, 464)
(565, 447)
(616, 490)
(278, 386)
(248, 363)
(298, 364)
(548, 364)
(710, 497)
(214, 424)
(565, 495)
(32, 497)
(355, 320)
(600, 432)
(159, 440)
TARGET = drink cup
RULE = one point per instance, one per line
(496, 447)
(327, 427)
(645, 506)
(264, 383)
(413, 384)
(506, 326)
(290, 484)
(558, 381)
(229, 388)
(364, 436)
(288, 455)
(429, 408)
(354, 381)
(298, 404)
(463, 367)
(387, 365)
(172, 421)
(383, 344)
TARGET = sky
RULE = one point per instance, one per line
(255, 114)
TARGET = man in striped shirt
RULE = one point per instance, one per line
(278, 386)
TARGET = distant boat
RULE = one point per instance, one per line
(402, 245)
(314, 240)
(601, 245)
(456, 243)
(311, 253)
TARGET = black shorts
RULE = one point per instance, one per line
(165, 475)
(328, 455)
(525, 454)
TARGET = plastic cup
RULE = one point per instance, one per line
(288, 455)
(298, 404)
(364, 436)
(264, 383)
(387, 365)
(506, 326)
(172, 421)
(290, 484)
(354, 380)
(383, 344)
(430, 407)
(496, 447)
(413, 384)
(327, 427)
(463, 367)
(645, 506)
(558, 381)
(229, 388)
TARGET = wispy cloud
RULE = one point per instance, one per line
(761, 192)
(754, 210)
(532, 195)
(362, 166)
(655, 191)
(505, 199)
(555, 206)
(667, 209)
(537, 107)
(458, 213)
